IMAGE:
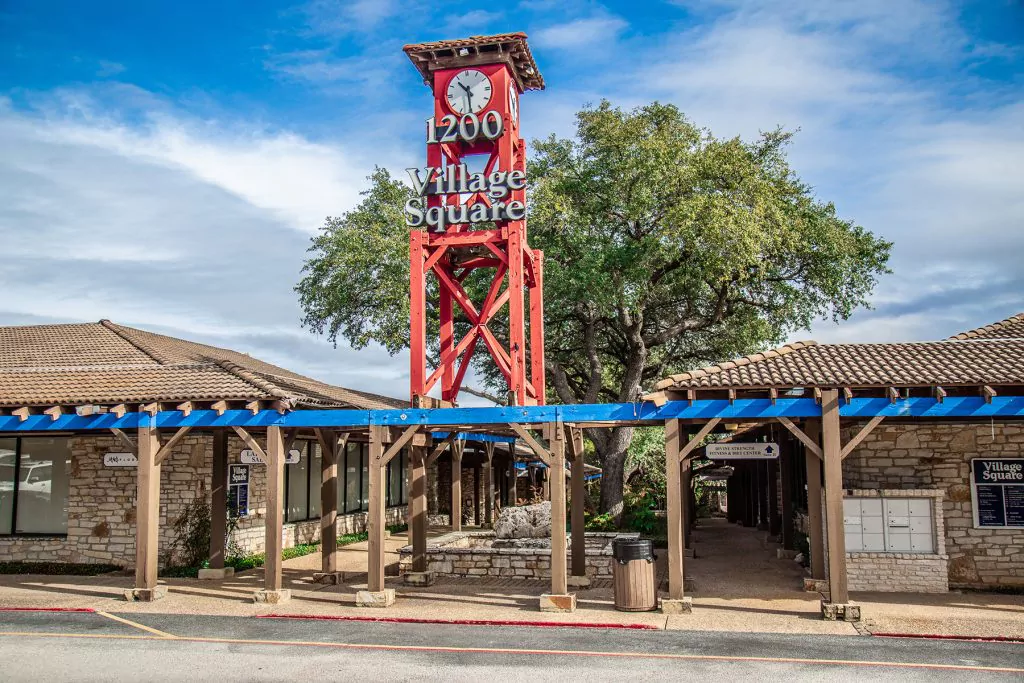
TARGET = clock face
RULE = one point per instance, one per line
(513, 104)
(469, 92)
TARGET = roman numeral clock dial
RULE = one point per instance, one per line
(469, 92)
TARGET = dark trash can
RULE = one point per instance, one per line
(633, 572)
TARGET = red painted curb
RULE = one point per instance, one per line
(460, 622)
(48, 609)
(973, 639)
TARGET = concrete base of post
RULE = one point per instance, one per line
(549, 602)
(840, 611)
(145, 594)
(815, 585)
(421, 579)
(384, 598)
(332, 578)
(272, 597)
(578, 581)
(680, 606)
(216, 574)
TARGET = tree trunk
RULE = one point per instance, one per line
(610, 446)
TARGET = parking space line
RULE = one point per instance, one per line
(534, 652)
(129, 622)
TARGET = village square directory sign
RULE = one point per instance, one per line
(997, 490)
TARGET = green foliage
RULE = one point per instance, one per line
(640, 515)
(600, 522)
(191, 544)
(57, 568)
(665, 248)
(645, 463)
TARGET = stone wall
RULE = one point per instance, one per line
(465, 554)
(938, 456)
(101, 506)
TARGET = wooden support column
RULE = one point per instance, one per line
(578, 498)
(219, 499)
(418, 507)
(556, 477)
(731, 499)
(763, 502)
(375, 518)
(513, 477)
(329, 455)
(774, 515)
(750, 477)
(476, 494)
(489, 479)
(815, 520)
(275, 510)
(787, 528)
(456, 453)
(686, 482)
(674, 506)
(831, 447)
(147, 515)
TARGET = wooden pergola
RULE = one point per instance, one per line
(555, 435)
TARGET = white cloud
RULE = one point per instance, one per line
(593, 32)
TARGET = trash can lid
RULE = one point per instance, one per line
(626, 548)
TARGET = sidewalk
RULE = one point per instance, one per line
(756, 594)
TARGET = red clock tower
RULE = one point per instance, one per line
(470, 213)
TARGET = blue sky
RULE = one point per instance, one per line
(164, 164)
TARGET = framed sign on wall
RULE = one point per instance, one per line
(238, 490)
(997, 492)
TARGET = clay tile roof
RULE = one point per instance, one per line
(107, 363)
(1011, 328)
(504, 47)
(979, 357)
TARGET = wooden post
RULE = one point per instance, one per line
(219, 499)
(418, 506)
(546, 484)
(774, 518)
(685, 479)
(578, 521)
(556, 477)
(375, 518)
(786, 465)
(329, 503)
(147, 514)
(489, 501)
(513, 475)
(731, 498)
(674, 504)
(456, 454)
(750, 475)
(275, 510)
(763, 502)
(814, 504)
(476, 494)
(831, 447)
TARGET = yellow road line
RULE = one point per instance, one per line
(137, 625)
(513, 651)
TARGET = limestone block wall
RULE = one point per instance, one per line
(928, 455)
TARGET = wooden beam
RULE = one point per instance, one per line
(865, 430)
(21, 413)
(674, 505)
(556, 476)
(894, 394)
(274, 520)
(253, 407)
(147, 512)
(418, 507)
(151, 408)
(329, 454)
(816, 392)
(282, 406)
(54, 412)
(773, 395)
(252, 444)
(397, 446)
(185, 408)
(831, 446)
(440, 448)
(120, 409)
(732, 396)
(125, 439)
(165, 450)
(220, 407)
(219, 499)
(988, 393)
(799, 433)
(695, 441)
(456, 502)
(847, 394)
(940, 394)
(534, 445)
(815, 506)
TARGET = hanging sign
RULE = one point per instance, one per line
(742, 451)
(997, 492)
(120, 460)
(250, 458)
(238, 490)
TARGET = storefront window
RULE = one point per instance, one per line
(315, 479)
(43, 467)
(8, 457)
(297, 493)
(353, 468)
(365, 502)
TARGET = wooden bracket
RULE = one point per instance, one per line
(685, 451)
(219, 406)
(865, 430)
(21, 413)
(773, 394)
(165, 450)
(989, 393)
(151, 408)
(541, 452)
(847, 395)
(940, 394)
(489, 450)
(440, 448)
(398, 445)
(252, 444)
(126, 440)
(799, 433)
(816, 392)
(54, 412)
(185, 408)
(894, 394)
(120, 409)
(253, 407)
